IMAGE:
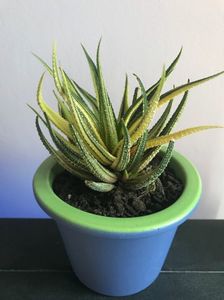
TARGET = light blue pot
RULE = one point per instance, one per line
(117, 256)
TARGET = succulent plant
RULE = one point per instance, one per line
(100, 148)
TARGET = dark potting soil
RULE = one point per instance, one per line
(119, 202)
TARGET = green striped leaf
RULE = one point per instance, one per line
(108, 158)
(55, 69)
(175, 116)
(66, 148)
(149, 114)
(82, 106)
(157, 128)
(101, 187)
(80, 123)
(63, 109)
(148, 157)
(140, 147)
(91, 100)
(183, 88)
(123, 155)
(61, 158)
(143, 122)
(135, 110)
(93, 165)
(149, 177)
(37, 114)
(169, 70)
(47, 67)
(144, 96)
(94, 74)
(108, 119)
(125, 102)
(135, 95)
(55, 118)
(58, 135)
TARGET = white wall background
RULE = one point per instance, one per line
(138, 36)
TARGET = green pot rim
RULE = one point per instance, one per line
(54, 206)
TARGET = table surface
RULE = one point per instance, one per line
(34, 266)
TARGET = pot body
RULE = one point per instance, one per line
(116, 266)
(117, 256)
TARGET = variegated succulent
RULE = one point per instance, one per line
(100, 148)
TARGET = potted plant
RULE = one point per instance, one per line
(107, 184)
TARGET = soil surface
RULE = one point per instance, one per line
(119, 202)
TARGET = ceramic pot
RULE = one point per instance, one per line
(117, 256)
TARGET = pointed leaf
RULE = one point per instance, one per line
(135, 95)
(108, 119)
(82, 106)
(151, 110)
(92, 164)
(148, 157)
(123, 156)
(176, 115)
(37, 114)
(149, 177)
(144, 96)
(183, 88)
(135, 110)
(66, 148)
(100, 151)
(169, 70)
(124, 103)
(157, 128)
(44, 64)
(58, 135)
(55, 69)
(64, 111)
(177, 135)
(92, 100)
(60, 158)
(140, 147)
(93, 143)
(94, 74)
(55, 118)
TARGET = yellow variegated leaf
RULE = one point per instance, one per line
(107, 116)
(149, 114)
(94, 166)
(123, 155)
(92, 100)
(150, 176)
(68, 144)
(134, 110)
(183, 88)
(65, 112)
(149, 158)
(177, 135)
(135, 95)
(55, 70)
(93, 145)
(62, 159)
(91, 121)
(145, 120)
(54, 117)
